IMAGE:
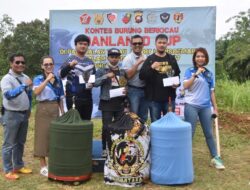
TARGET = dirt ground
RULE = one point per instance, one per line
(237, 122)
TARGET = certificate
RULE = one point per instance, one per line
(91, 79)
(171, 81)
(117, 92)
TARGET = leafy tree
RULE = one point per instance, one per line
(234, 48)
(30, 38)
(6, 26)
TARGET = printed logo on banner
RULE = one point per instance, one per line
(85, 18)
(98, 19)
(138, 16)
(126, 18)
(164, 17)
(112, 17)
(127, 154)
(151, 18)
(178, 17)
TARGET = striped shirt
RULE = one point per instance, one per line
(84, 67)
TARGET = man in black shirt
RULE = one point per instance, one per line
(157, 67)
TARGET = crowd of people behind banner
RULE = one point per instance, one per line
(144, 93)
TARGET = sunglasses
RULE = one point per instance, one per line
(48, 64)
(18, 62)
(137, 43)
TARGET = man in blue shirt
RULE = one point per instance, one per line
(16, 89)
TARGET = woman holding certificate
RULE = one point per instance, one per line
(112, 96)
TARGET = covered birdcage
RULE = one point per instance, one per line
(171, 151)
(70, 148)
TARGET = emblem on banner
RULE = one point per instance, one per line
(98, 19)
(178, 17)
(164, 17)
(112, 17)
(138, 16)
(151, 18)
(85, 19)
(126, 18)
(126, 157)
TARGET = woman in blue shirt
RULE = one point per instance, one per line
(199, 85)
(49, 93)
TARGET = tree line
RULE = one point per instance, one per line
(32, 39)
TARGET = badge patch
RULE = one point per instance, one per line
(126, 18)
(98, 19)
(178, 17)
(112, 17)
(165, 17)
(151, 18)
(138, 16)
(85, 18)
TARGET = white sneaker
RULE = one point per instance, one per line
(44, 171)
(217, 163)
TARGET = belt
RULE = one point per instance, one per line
(136, 87)
(49, 101)
(23, 112)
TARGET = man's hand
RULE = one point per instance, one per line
(125, 91)
(73, 63)
(175, 85)
(89, 85)
(140, 60)
(155, 65)
(110, 75)
(28, 82)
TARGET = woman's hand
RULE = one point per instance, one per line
(216, 111)
(50, 76)
(200, 70)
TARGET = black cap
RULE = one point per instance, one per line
(114, 51)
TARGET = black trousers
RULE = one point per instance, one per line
(84, 107)
(107, 118)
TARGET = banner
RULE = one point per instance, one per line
(186, 27)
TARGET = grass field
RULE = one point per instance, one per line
(235, 153)
(233, 100)
(232, 96)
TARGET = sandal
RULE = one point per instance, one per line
(11, 176)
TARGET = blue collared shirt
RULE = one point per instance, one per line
(199, 93)
(17, 95)
(51, 92)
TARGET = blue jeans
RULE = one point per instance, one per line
(138, 103)
(15, 126)
(157, 108)
(191, 113)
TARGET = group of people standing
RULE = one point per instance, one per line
(145, 92)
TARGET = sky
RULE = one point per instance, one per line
(27, 10)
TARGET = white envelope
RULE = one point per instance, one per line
(116, 92)
(91, 79)
(171, 81)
